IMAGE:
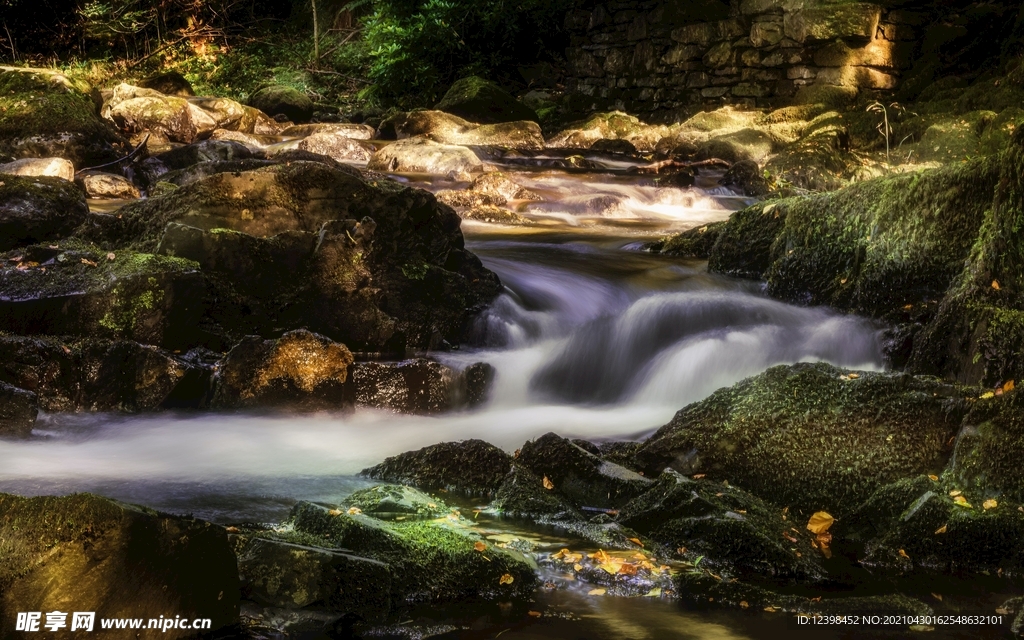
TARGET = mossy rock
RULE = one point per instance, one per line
(38, 209)
(612, 125)
(47, 114)
(470, 467)
(308, 244)
(430, 561)
(811, 437)
(396, 502)
(77, 289)
(285, 101)
(89, 374)
(86, 553)
(694, 243)
(446, 128)
(736, 534)
(988, 448)
(417, 386)
(18, 411)
(483, 101)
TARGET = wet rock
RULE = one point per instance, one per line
(55, 167)
(293, 576)
(134, 110)
(69, 375)
(414, 386)
(300, 369)
(391, 501)
(478, 379)
(479, 100)
(343, 129)
(193, 154)
(46, 114)
(614, 125)
(581, 476)
(18, 411)
(280, 247)
(471, 467)
(624, 147)
(499, 184)
(38, 210)
(253, 142)
(430, 561)
(336, 145)
(812, 437)
(465, 198)
(744, 145)
(738, 535)
(522, 494)
(169, 83)
(449, 129)
(419, 155)
(495, 215)
(284, 101)
(746, 176)
(79, 290)
(86, 553)
(693, 243)
(991, 438)
(916, 524)
(97, 184)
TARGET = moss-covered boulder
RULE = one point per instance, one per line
(450, 129)
(470, 467)
(300, 369)
(89, 374)
(932, 525)
(373, 265)
(284, 101)
(738, 535)
(431, 561)
(584, 478)
(136, 110)
(613, 125)
(988, 447)
(46, 114)
(18, 410)
(693, 243)
(479, 100)
(396, 502)
(170, 83)
(812, 437)
(86, 553)
(38, 210)
(77, 289)
(420, 155)
(337, 145)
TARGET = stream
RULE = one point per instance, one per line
(593, 338)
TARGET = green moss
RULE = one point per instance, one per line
(803, 436)
(38, 101)
(989, 450)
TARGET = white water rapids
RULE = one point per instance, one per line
(591, 340)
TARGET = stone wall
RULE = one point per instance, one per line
(660, 58)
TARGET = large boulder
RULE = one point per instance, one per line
(614, 125)
(98, 184)
(89, 374)
(137, 110)
(18, 410)
(343, 129)
(46, 114)
(79, 290)
(419, 155)
(169, 83)
(337, 145)
(38, 210)
(413, 386)
(55, 167)
(304, 244)
(812, 437)
(479, 100)
(86, 553)
(300, 369)
(471, 467)
(284, 101)
(450, 129)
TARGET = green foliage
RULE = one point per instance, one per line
(417, 48)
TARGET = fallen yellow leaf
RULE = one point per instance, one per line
(770, 609)
(610, 567)
(600, 556)
(354, 511)
(597, 592)
(941, 530)
(577, 567)
(653, 593)
(937, 596)
(995, 285)
(820, 522)
(1008, 387)
(933, 478)
(987, 395)
(989, 504)
(961, 501)
(903, 554)
(506, 579)
(548, 484)
(854, 376)
(479, 546)
(744, 604)
(954, 493)
(334, 512)
(1003, 612)
(534, 614)
(636, 541)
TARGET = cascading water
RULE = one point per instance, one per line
(590, 340)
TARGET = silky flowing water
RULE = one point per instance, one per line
(593, 338)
